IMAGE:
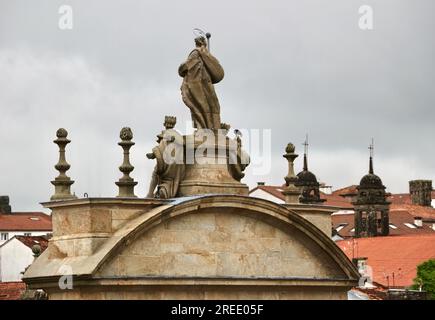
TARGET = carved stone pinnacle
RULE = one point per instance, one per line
(62, 183)
(126, 183)
(291, 191)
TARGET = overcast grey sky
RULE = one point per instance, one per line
(295, 67)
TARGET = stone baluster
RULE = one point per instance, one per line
(291, 191)
(62, 183)
(126, 183)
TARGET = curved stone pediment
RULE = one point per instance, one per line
(211, 243)
(226, 237)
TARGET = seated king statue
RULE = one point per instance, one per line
(200, 72)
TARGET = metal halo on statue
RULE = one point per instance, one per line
(199, 33)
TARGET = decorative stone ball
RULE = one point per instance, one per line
(61, 133)
(36, 249)
(126, 134)
(290, 148)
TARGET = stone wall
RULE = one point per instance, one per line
(207, 247)
(421, 192)
(221, 244)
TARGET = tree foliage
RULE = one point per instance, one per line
(426, 278)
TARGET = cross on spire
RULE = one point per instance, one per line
(305, 144)
(371, 148)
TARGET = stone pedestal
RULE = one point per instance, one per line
(207, 161)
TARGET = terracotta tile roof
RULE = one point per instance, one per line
(346, 190)
(273, 190)
(400, 201)
(25, 221)
(427, 213)
(400, 198)
(11, 290)
(397, 218)
(336, 200)
(333, 199)
(30, 241)
(398, 255)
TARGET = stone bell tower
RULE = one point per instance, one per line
(307, 183)
(421, 192)
(371, 205)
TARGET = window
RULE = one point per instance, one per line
(4, 236)
(27, 234)
(410, 225)
(340, 227)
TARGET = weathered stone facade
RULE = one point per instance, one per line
(421, 192)
(206, 247)
(4, 205)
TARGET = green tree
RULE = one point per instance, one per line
(426, 278)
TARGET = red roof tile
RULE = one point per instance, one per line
(427, 213)
(397, 218)
(25, 221)
(342, 198)
(346, 190)
(30, 241)
(392, 257)
(11, 290)
(333, 199)
(273, 190)
(337, 201)
(400, 198)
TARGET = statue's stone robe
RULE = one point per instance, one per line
(200, 72)
(166, 175)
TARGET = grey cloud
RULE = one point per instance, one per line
(293, 66)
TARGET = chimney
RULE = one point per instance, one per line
(260, 183)
(420, 191)
(361, 264)
(418, 221)
(4, 205)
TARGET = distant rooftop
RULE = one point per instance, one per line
(393, 259)
(25, 221)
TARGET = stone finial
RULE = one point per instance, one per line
(62, 183)
(126, 183)
(291, 191)
(36, 249)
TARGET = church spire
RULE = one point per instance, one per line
(305, 153)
